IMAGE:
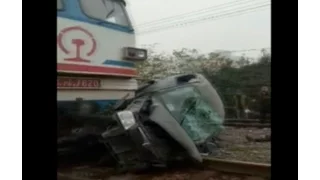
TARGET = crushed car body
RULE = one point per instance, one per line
(168, 120)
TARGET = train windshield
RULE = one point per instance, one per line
(191, 110)
(112, 11)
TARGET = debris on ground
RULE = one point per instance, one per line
(186, 174)
(264, 138)
(233, 144)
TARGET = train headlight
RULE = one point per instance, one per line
(127, 119)
(135, 54)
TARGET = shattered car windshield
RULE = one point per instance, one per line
(194, 114)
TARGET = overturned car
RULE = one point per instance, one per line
(168, 120)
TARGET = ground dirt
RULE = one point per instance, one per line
(234, 145)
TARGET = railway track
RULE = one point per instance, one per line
(247, 123)
(213, 169)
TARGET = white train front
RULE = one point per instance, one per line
(95, 52)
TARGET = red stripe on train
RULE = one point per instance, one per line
(95, 70)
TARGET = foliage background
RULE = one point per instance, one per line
(226, 74)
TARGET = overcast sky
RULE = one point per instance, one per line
(246, 31)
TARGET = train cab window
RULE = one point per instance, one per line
(106, 10)
(59, 4)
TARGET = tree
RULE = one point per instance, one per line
(225, 74)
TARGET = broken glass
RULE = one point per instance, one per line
(196, 116)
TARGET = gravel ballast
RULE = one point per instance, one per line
(234, 144)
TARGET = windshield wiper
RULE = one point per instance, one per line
(105, 5)
(107, 16)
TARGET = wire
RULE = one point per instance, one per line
(211, 17)
(225, 5)
(208, 15)
(219, 51)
